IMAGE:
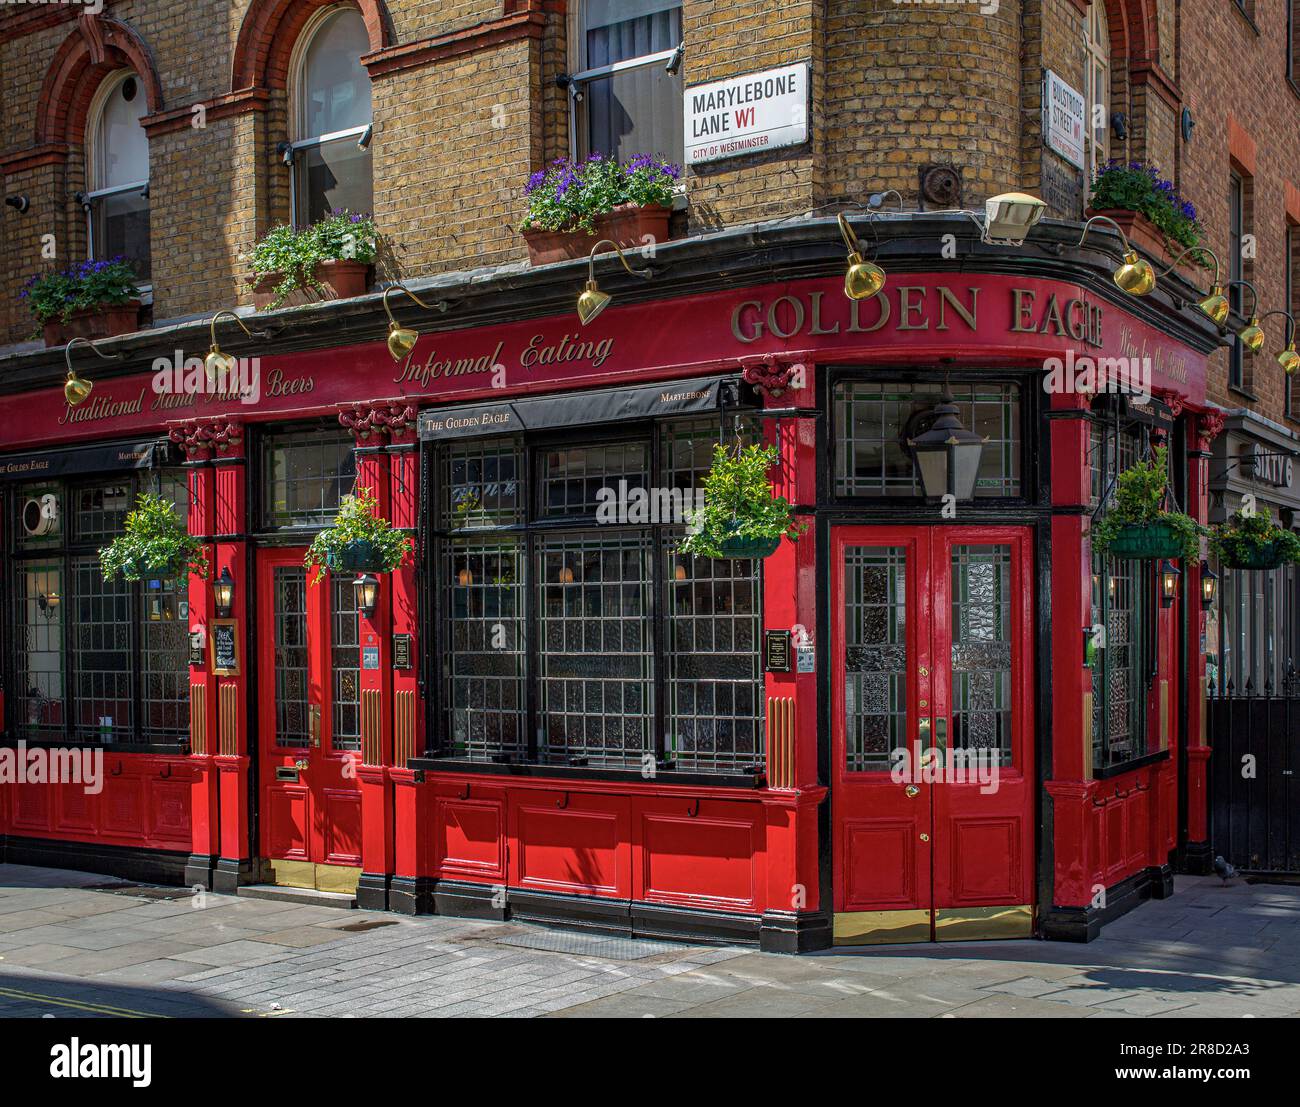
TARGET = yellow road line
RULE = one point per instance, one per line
(97, 1008)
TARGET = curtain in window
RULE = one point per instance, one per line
(637, 111)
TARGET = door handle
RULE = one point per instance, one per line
(923, 730)
(912, 791)
(313, 724)
(300, 765)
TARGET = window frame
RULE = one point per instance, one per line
(528, 535)
(296, 147)
(1236, 274)
(583, 76)
(902, 377)
(284, 434)
(1097, 53)
(63, 556)
(93, 199)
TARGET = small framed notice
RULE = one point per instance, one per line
(776, 651)
(224, 635)
(401, 651)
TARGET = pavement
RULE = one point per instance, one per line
(89, 946)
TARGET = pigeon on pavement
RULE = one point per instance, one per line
(1225, 869)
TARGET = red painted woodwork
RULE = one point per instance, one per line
(145, 803)
(980, 847)
(317, 817)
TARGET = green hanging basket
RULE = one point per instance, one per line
(736, 546)
(1149, 542)
(358, 556)
(1268, 555)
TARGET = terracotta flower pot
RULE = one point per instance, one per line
(105, 321)
(1146, 236)
(341, 280)
(628, 225)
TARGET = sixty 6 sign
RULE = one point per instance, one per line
(743, 115)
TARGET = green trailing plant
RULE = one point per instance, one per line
(739, 506)
(1138, 187)
(568, 195)
(153, 543)
(1141, 492)
(293, 253)
(86, 285)
(1251, 540)
(359, 540)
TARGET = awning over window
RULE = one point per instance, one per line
(99, 458)
(580, 409)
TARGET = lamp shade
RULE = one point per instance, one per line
(947, 455)
(591, 302)
(1168, 583)
(1008, 217)
(366, 590)
(1209, 585)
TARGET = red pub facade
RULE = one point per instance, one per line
(553, 716)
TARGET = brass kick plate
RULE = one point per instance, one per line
(975, 924)
(307, 874)
(867, 928)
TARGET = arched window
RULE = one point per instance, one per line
(117, 203)
(1096, 80)
(627, 93)
(331, 146)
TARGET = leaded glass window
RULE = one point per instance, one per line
(981, 651)
(100, 629)
(596, 661)
(164, 659)
(713, 678)
(874, 419)
(875, 655)
(483, 662)
(345, 664)
(307, 475)
(93, 660)
(289, 626)
(569, 636)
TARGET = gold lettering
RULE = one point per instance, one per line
(946, 299)
(795, 306)
(1022, 312)
(817, 327)
(907, 307)
(757, 327)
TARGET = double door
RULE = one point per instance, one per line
(933, 798)
(309, 711)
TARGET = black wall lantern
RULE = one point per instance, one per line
(366, 590)
(223, 593)
(1168, 583)
(1209, 585)
(947, 455)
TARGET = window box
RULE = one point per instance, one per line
(627, 225)
(105, 321)
(341, 280)
(1143, 233)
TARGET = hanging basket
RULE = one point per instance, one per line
(736, 546)
(355, 557)
(1150, 542)
(1266, 556)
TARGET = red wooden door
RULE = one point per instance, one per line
(308, 714)
(932, 733)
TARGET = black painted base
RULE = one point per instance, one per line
(1083, 924)
(786, 932)
(372, 891)
(1197, 859)
(411, 895)
(199, 869)
(148, 866)
(230, 873)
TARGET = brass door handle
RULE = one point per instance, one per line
(300, 765)
(313, 724)
(923, 729)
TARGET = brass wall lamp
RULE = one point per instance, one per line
(863, 279)
(1135, 276)
(218, 365)
(1215, 305)
(1288, 358)
(592, 300)
(76, 390)
(1252, 334)
(402, 340)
